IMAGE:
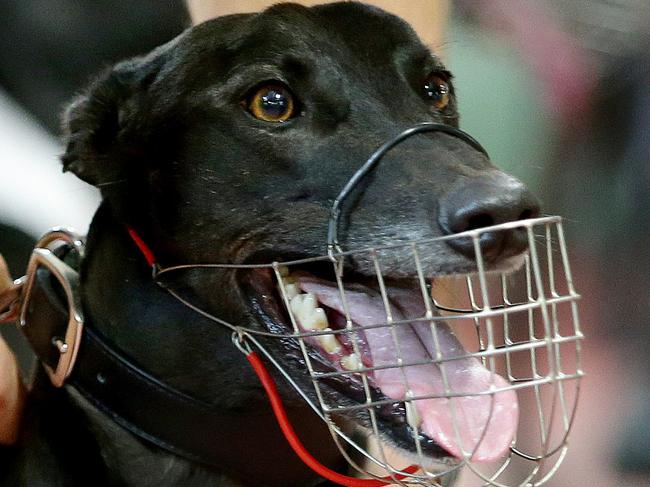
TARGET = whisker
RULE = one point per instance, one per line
(110, 183)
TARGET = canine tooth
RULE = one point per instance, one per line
(283, 270)
(296, 305)
(309, 302)
(351, 362)
(329, 343)
(315, 320)
(412, 416)
(291, 290)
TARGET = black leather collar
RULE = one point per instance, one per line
(158, 413)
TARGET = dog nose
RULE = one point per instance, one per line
(478, 203)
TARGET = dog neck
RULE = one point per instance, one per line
(190, 354)
(128, 460)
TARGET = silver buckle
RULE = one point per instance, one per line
(68, 278)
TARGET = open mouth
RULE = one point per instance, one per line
(428, 387)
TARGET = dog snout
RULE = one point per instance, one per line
(475, 203)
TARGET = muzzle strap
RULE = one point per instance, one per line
(373, 161)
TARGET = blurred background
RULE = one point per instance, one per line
(558, 91)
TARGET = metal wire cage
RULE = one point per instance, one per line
(479, 370)
(519, 328)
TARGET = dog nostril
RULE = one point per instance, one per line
(482, 205)
(479, 221)
(529, 213)
(476, 205)
(487, 217)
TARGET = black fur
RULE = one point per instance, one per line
(177, 157)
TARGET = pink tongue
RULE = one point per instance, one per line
(485, 424)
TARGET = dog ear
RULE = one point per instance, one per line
(100, 125)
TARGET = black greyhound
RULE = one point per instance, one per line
(229, 144)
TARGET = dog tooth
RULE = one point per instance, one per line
(283, 270)
(303, 307)
(291, 291)
(321, 318)
(412, 416)
(329, 343)
(312, 319)
(351, 362)
(309, 302)
(296, 305)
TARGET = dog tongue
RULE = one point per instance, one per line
(485, 423)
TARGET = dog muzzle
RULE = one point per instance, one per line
(419, 375)
(436, 373)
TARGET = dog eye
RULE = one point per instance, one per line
(437, 90)
(271, 103)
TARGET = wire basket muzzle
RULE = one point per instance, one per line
(477, 371)
(480, 370)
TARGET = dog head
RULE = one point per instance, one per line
(230, 143)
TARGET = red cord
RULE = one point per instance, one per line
(291, 436)
(146, 251)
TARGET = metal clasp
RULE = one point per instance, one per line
(68, 278)
(239, 340)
